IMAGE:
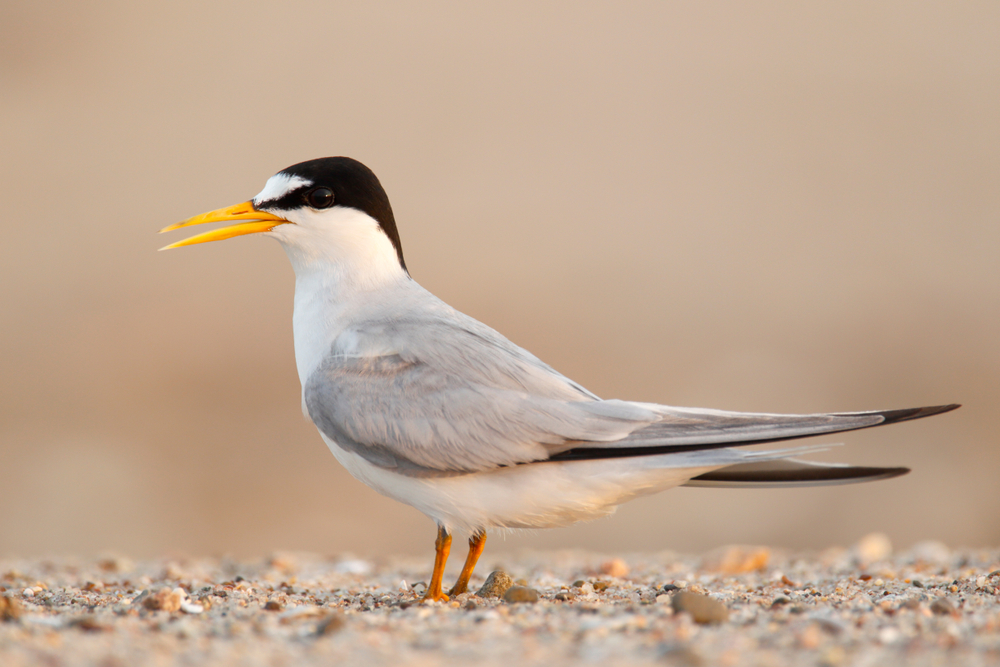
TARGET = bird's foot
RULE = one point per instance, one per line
(434, 596)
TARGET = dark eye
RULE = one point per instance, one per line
(320, 198)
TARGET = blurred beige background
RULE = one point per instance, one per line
(767, 206)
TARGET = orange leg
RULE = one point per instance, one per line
(476, 545)
(442, 546)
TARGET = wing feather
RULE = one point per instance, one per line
(452, 396)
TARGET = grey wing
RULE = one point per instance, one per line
(413, 416)
(454, 396)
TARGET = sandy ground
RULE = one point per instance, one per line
(930, 605)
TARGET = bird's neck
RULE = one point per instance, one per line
(328, 294)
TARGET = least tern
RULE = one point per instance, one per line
(437, 410)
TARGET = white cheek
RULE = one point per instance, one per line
(337, 238)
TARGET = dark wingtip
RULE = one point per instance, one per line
(889, 473)
(893, 416)
(888, 417)
(808, 475)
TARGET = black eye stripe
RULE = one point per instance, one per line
(321, 197)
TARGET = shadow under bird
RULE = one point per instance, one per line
(435, 409)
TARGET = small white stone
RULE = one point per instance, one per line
(28, 593)
(355, 566)
(888, 635)
(191, 608)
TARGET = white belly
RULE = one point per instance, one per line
(537, 495)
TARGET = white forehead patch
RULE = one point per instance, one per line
(278, 186)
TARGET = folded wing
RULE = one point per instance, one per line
(408, 415)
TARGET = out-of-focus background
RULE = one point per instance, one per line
(774, 207)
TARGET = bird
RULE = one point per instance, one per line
(435, 409)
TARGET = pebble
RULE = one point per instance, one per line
(496, 585)
(164, 599)
(298, 613)
(10, 609)
(517, 594)
(702, 608)
(811, 637)
(830, 626)
(615, 567)
(943, 607)
(115, 564)
(888, 635)
(873, 547)
(737, 560)
(359, 567)
(192, 608)
(88, 624)
(330, 625)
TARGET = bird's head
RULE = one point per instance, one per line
(326, 212)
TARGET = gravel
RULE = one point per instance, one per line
(929, 605)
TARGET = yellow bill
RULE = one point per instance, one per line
(257, 221)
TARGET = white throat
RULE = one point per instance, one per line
(343, 263)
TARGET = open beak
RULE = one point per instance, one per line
(256, 221)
